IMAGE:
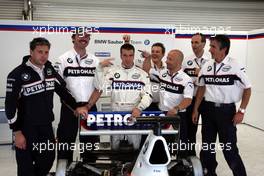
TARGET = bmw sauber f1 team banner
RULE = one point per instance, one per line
(116, 120)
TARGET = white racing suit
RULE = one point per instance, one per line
(128, 88)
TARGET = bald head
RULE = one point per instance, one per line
(174, 60)
(177, 54)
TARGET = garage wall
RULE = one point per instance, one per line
(255, 71)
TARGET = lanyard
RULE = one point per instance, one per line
(216, 71)
(156, 68)
(199, 65)
(77, 60)
(172, 76)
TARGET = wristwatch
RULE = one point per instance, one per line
(241, 110)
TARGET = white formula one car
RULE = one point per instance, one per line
(154, 158)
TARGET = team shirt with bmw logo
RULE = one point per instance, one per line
(78, 73)
(224, 81)
(174, 88)
(189, 65)
(128, 88)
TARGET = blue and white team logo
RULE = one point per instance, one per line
(178, 79)
(102, 54)
(117, 75)
(209, 68)
(56, 67)
(164, 75)
(49, 72)
(147, 42)
(226, 68)
(127, 85)
(25, 77)
(189, 62)
(69, 60)
(135, 75)
(88, 61)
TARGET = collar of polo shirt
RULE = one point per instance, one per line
(224, 61)
(174, 74)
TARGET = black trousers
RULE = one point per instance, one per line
(218, 120)
(153, 107)
(39, 155)
(67, 131)
(191, 127)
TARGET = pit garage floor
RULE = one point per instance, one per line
(250, 142)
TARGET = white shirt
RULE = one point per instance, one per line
(224, 82)
(154, 80)
(191, 62)
(37, 69)
(174, 88)
(78, 73)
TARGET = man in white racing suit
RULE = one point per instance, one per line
(129, 89)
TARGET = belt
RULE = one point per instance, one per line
(183, 110)
(219, 104)
(81, 103)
